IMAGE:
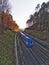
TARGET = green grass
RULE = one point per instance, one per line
(7, 48)
(43, 35)
(7, 44)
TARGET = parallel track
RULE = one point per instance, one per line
(36, 55)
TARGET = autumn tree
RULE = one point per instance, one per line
(4, 7)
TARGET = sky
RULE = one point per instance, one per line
(21, 10)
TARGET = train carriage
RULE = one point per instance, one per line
(29, 42)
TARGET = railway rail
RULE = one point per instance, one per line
(36, 55)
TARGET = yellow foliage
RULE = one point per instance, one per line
(8, 22)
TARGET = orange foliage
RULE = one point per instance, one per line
(9, 23)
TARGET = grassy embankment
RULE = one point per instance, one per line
(43, 35)
(7, 44)
(7, 48)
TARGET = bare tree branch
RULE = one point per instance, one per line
(4, 5)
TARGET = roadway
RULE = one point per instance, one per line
(36, 55)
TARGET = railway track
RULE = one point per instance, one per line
(36, 55)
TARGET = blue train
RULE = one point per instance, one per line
(29, 41)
